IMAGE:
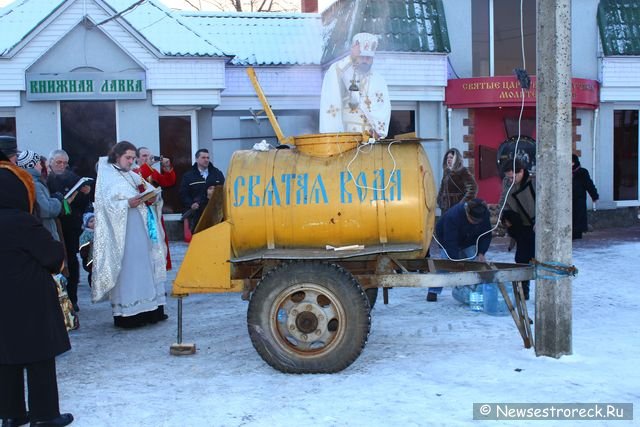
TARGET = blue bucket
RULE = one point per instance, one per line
(494, 303)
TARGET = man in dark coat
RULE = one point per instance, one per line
(464, 233)
(582, 184)
(60, 181)
(32, 329)
(519, 198)
(194, 185)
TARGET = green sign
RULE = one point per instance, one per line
(86, 86)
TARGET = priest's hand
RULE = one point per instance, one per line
(134, 202)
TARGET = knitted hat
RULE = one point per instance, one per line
(28, 159)
(477, 210)
(8, 145)
(368, 43)
(86, 218)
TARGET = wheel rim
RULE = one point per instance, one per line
(308, 320)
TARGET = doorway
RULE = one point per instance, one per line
(177, 133)
(88, 131)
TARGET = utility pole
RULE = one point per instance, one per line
(553, 321)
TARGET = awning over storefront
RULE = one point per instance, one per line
(505, 91)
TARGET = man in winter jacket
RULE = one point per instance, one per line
(519, 197)
(464, 232)
(194, 185)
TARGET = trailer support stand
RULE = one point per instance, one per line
(179, 348)
(519, 312)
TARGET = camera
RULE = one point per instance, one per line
(156, 158)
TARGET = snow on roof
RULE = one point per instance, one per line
(165, 31)
(262, 38)
(153, 21)
(19, 18)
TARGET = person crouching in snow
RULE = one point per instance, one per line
(86, 242)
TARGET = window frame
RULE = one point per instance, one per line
(624, 203)
(492, 42)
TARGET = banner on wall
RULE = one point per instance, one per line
(85, 86)
(505, 91)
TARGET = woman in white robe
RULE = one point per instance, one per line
(129, 251)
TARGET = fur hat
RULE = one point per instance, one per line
(8, 145)
(28, 159)
(368, 43)
(17, 189)
(477, 210)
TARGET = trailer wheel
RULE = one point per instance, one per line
(309, 317)
(372, 296)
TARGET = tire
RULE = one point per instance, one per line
(309, 317)
(372, 296)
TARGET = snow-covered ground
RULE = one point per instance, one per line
(425, 363)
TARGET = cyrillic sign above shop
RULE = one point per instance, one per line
(504, 91)
(85, 86)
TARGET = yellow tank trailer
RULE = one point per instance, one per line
(309, 233)
(293, 204)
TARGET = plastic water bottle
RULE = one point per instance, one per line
(476, 300)
(461, 294)
(494, 303)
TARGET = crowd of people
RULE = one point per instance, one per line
(49, 215)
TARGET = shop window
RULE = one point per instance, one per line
(625, 155)
(8, 126)
(402, 122)
(175, 143)
(88, 132)
(496, 44)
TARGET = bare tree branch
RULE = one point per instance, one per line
(250, 5)
(192, 5)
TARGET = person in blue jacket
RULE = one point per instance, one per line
(464, 233)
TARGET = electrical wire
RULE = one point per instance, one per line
(369, 144)
(121, 13)
(515, 154)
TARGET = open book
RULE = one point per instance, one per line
(77, 185)
(149, 193)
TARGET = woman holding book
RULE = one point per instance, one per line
(47, 208)
(129, 254)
